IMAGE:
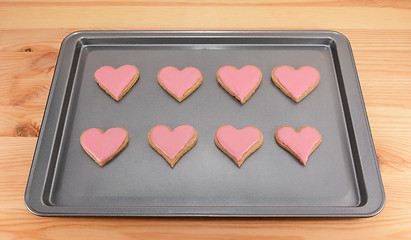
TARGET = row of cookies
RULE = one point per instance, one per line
(238, 144)
(240, 83)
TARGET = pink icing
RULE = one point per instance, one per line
(297, 82)
(179, 82)
(237, 141)
(171, 142)
(301, 142)
(103, 145)
(240, 81)
(115, 80)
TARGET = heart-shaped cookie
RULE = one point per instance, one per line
(238, 144)
(103, 146)
(240, 83)
(179, 84)
(117, 82)
(295, 83)
(299, 143)
(172, 144)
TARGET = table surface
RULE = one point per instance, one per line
(30, 37)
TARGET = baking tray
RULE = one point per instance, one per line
(341, 179)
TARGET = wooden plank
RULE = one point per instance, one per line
(26, 77)
(20, 121)
(202, 17)
(39, 40)
(49, 40)
(215, 3)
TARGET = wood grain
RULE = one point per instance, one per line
(30, 35)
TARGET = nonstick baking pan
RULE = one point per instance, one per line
(341, 179)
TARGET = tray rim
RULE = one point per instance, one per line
(372, 206)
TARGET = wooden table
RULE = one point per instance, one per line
(30, 37)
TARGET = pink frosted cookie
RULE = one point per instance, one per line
(240, 83)
(296, 84)
(179, 84)
(172, 144)
(238, 144)
(117, 82)
(103, 146)
(299, 143)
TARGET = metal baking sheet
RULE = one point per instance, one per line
(341, 179)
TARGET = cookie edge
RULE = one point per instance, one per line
(231, 92)
(122, 146)
(172, 162)
(250, 151)
(126, 89)
(283, 145)
(286, 92)
(188, 92)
